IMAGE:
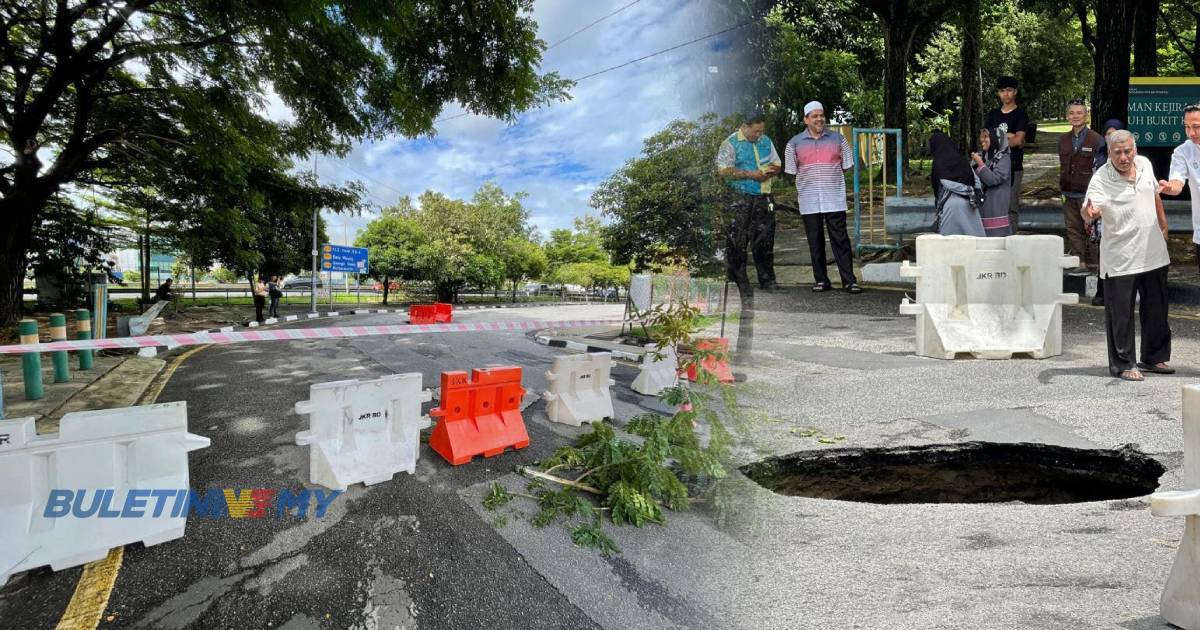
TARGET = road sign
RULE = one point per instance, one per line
(342, 258)
(1156, 108)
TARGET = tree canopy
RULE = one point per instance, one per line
(165, 100)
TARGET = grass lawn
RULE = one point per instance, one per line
(1054, 126)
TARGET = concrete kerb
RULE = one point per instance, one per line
(630, 353)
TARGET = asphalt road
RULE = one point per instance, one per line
(419, 551)
(398, 554)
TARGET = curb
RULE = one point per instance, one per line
(555, 342)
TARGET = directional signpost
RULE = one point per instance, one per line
(344, 259)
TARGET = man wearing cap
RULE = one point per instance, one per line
(1185, 168)
(748, 161)
(818, 159)
(1013, 119)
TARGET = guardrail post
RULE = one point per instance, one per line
(83, 320)
(31, 362)
(60, 358)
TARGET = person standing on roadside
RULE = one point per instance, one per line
(1077, 152)
(1185, 168)
(1013, 122)
(274, 292)
(748, 161)
(1133, 259)
(819, 158)
(260, 299)
(992, 167)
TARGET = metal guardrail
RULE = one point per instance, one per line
(914, 215)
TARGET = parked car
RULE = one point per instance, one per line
(393, 286)
(301, 282)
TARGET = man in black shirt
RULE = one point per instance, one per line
(1013, 119)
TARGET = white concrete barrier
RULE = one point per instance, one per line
(579, 388)
(657, 374)
(68, 497)
(989, 297)
(1180, 603)
(363, 430)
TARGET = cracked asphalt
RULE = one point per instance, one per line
(421, 552)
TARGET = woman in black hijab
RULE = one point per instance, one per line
(953, 184)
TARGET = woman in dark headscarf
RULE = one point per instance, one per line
(993, 166)
(954, 182)
(1110, 125)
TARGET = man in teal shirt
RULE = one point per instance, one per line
(748, 162)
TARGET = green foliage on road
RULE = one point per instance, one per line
(633, 481)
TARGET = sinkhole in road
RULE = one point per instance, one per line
(966, 472)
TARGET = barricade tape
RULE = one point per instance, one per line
(293, 334)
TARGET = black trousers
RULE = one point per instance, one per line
(751, 232)
(1119, 294)
(273, 311)
(259, 302)
(814, 230)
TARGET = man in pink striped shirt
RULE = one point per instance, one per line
(818, 159)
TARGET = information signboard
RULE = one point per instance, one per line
(342, 258)
(1156, 108)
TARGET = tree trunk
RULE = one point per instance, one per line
(1114, 30)
(12, 279)
(387, 283)
(1145, 38)
(514, 291)
(970, 113)
(897, 37)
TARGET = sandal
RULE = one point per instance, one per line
(852, 288)
(821, 286)
(1161, 368)
(1131, 375)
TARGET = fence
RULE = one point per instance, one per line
(706, 294)
(869, 146)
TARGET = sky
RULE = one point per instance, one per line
(558, 154)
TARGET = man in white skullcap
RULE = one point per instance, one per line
(818, 159)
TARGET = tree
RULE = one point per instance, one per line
(906, 26)
(456, 242)
(1181, 18)
(1109, 46)
(523, 260)
(1145, 38)
(483, 271)
(94, 84)
(224, 275)
(970, 110)
(393, 242)
(584, 244)
(665, 205)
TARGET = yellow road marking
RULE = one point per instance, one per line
(95, 586)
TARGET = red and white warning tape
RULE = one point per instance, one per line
(291, 334)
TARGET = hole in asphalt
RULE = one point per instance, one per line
(966, 472)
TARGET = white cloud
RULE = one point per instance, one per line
(557, 154)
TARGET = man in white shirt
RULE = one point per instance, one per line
(1133, 258)
(1185, 167)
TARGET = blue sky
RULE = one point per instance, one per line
(557, 154)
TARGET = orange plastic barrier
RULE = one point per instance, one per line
(479, 416)
(422, 314)
(718, 366)
(443, 313)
